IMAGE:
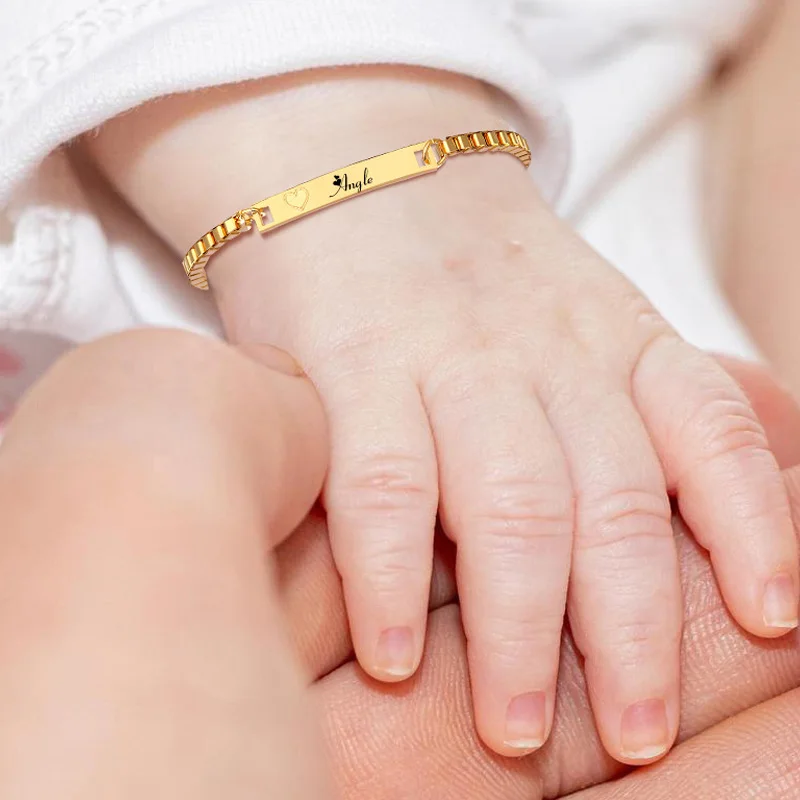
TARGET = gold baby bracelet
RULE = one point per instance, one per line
(351, 181)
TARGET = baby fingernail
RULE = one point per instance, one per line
(525, 721)
(395, 654)
(780, 603)
(645, 731)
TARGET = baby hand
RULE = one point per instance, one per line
(486, 363)
(476, 358)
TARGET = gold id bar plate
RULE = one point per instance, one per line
(345, 184)
(360, 178)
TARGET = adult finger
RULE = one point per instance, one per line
(729, 763)
(141, 644)
(148, 399)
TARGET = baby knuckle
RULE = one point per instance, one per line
(352, 356)
(477, 338)
(578, 328)
(513, 512)
(516, 638)
(386, 482)
(465, 378)
(385, 561)
(636, 634)
(726, 426)
(626, 518)
(658, 335)
(637, 642)
(391, 568)
(644, 315)
(563, 322)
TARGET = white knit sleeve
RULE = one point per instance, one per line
(569, 35)
(69, 65)
(66, 66)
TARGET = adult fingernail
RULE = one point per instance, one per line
(272, 358)
(395, 655)
(780, 603)
(525, 721)
(645, 731)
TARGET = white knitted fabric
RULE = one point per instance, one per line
(592, 79)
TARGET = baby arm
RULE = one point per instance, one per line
(475, 357)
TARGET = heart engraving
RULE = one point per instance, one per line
(297, 198)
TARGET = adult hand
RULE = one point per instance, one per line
(142, 653)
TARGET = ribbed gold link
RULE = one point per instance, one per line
(478, 140)
(493, 141)
(299, 201)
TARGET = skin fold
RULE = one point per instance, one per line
(151, 646)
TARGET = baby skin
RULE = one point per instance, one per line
(482, 366)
